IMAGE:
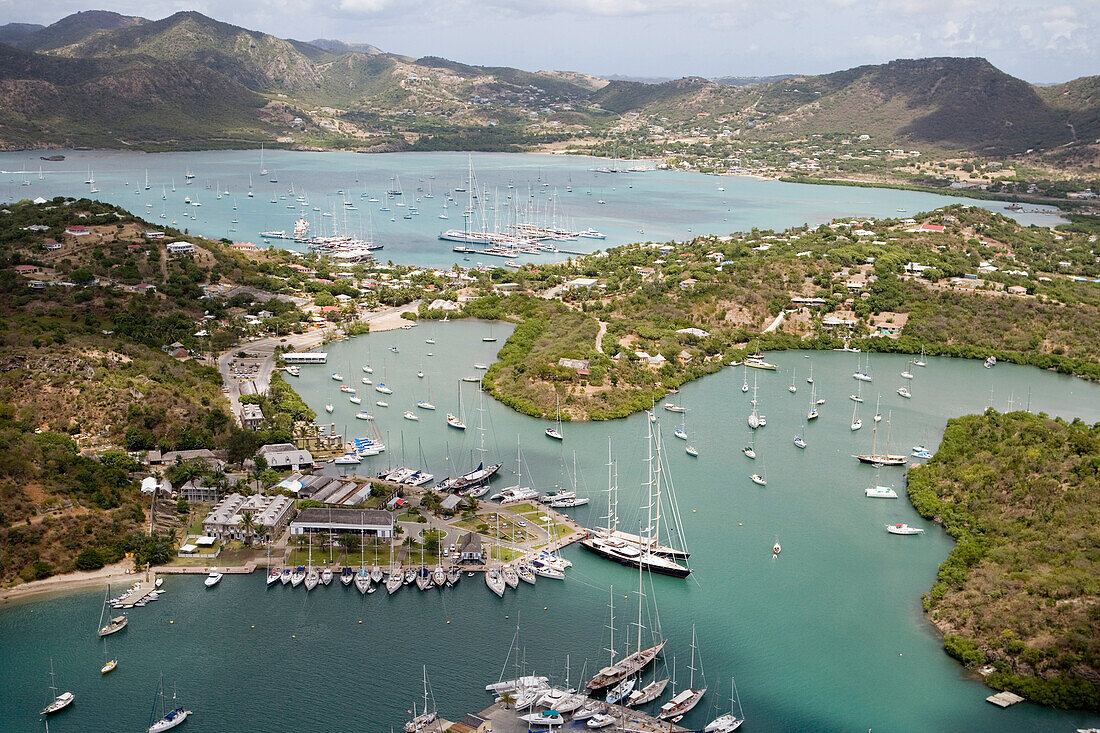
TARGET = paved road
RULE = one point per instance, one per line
(262, 354)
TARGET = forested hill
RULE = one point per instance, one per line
(947, 104)
(1021, 495)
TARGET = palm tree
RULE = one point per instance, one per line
(249, 525)
(507, 699)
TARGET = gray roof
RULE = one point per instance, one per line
(471, 542)
(365, 517)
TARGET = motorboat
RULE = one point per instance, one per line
(901, 528)
(919, 451)
(545, 719)
(347, 459)
(600, 720)
(212, 579)
(880, 492)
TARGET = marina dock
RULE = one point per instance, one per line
(507, 720)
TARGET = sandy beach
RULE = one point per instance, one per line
(119, 574)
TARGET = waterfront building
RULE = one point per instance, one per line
(269, 513)
(469, 548)
(336, 521)
(281, 456)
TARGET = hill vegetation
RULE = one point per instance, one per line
(253, 86)
(651, 317)
(91, 365)
(1021, 495)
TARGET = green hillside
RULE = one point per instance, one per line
(76, 27)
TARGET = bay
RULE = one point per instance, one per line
(829, 636)
(627, 207)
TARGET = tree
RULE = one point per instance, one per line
(349, 541)
(90, 559)
(242, 445)
(249, 525)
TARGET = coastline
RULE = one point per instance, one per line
(67, 582)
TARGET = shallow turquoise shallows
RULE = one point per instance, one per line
(828, 637)
(559, 191)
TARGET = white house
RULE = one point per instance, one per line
(181, 248)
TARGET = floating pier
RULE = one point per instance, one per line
(1004, 699)
(507, 720)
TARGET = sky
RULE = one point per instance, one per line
(1041, 42)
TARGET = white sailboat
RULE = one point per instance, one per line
(754, 416)
(857, 422)
(729, 722)
(813, 414)
(168, 718)
(554, 432)
(760, 479)
(794, 376)
(683, 701)
(60, 702)
(920, 360)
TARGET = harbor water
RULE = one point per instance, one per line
(563, 191)
(829, 636)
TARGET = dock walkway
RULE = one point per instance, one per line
(507, 720)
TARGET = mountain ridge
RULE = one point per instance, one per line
(947, 103)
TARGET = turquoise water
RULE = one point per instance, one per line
(828, 637)
(657, 206)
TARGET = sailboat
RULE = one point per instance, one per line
(614, 675)
(729, 722)
(426, 717)
(878, 413)
(744, 379)
(794, 375)
(906, 391)
(263, 171)
(907, 374)
(800, 439)
(754, 416)
(554, 431)
(312, 577)
(363, 576)
(863, 374)
(168, 718)
(857, 422)
(60, 702)
(687, 698)
(490, 337)
(427, 404)
(810, 379)
(455, 421)
(920, 360)
(760, 479)
(681, 432)
(813, 414)
(118, 623)
(858, 396)
(108, 663)
(881, 459)
(643, 549)
(656, 687)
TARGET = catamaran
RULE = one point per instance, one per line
(863, 374)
